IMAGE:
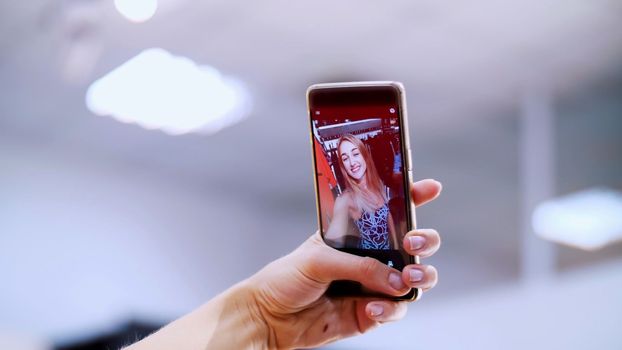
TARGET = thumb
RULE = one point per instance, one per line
(324, 264)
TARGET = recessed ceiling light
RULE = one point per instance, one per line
(588, 220)
(136, 10)
(158, 90)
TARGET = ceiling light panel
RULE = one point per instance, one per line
(158, 90)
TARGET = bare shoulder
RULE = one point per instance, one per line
(343, 200)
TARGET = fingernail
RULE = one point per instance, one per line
(416, 242)
(375, 310)
(415, 275)
(395, 280)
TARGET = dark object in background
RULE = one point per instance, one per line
(124, 335)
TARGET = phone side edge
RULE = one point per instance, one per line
(314, 161)
(406, 151)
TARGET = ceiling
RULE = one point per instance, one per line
(459, 61)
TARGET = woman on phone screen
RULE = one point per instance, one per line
(364, 200)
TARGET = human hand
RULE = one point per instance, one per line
(289, 294)
(284, 305)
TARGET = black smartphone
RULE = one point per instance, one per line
(362, 173)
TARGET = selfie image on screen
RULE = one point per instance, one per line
(359, 169)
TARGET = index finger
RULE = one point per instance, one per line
(425, 191)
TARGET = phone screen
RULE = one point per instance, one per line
(360, 169)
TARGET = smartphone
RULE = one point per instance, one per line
(362, 173)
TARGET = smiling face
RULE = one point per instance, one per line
(353, 161)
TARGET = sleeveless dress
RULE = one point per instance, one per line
(374, 229)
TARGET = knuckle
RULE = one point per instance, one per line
(368, 266)
(311, 260)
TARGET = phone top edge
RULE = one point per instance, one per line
(398, 86)
(347, 84)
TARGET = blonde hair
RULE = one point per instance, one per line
(364, 199)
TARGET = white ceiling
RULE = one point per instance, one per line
(450, 55)
(458, 60)
(462, 63)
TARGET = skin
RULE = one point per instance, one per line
(355, 166)
(353, 161)
(284, 305)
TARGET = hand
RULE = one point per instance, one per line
(289, 293)
(284, 305)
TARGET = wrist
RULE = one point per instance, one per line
(231, 320)
(235, 320)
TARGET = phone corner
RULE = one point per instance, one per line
(398, 85)
(310, 89)
(417, 294)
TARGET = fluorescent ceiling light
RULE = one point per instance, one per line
(588, 220)
(137, 10)
(157, 90)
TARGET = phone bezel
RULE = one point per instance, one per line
(346, 290)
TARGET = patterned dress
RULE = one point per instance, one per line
(374, 229)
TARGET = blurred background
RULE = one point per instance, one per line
(153, 153)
